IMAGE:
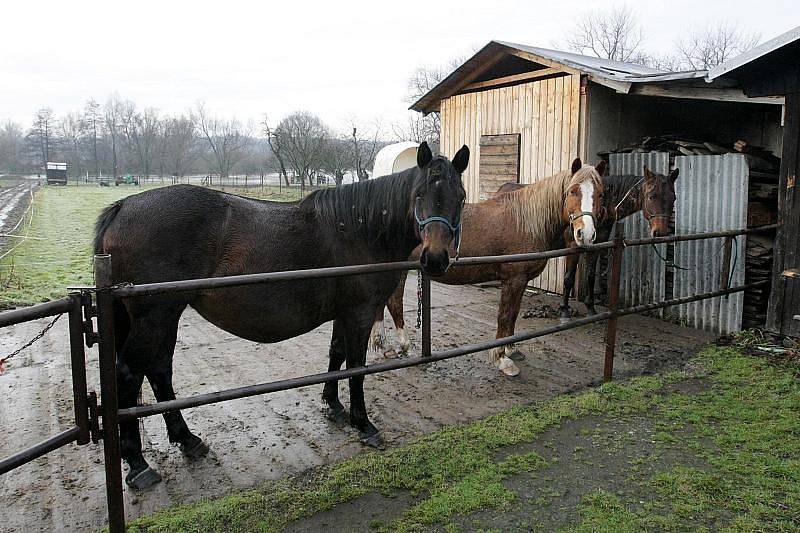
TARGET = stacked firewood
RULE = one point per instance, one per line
(757, 157)
(762, 208)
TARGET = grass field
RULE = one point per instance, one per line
(59, 254)
(715, 447)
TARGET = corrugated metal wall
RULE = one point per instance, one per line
(545, 113)
(711, 196)
(643, 273)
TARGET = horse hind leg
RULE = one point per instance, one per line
(330, 393)
(159, 375)
(377, 337)
(510, 299)
(395, 307)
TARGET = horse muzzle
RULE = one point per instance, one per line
(434, 263)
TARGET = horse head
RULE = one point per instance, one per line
(583, 200)
(657, 198)
(439, 197)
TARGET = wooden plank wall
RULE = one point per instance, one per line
(545, 113)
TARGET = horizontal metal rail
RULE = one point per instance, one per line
(151, 289)
(315, 379)
(40, 449)
(35, 312)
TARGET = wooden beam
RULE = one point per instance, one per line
(525, 76)
(533, 58)
(698, 93)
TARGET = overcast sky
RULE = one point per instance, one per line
(336, 59)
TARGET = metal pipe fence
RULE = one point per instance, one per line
(105, 293)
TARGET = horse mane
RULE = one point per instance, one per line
(537, 207)
(622, 190)
(379, 210)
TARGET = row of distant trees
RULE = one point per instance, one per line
(118, 138)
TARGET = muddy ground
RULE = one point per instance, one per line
(271, 436)
(15, 195)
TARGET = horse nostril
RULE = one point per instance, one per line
(423, 258)
(579, 232)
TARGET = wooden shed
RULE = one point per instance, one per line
(526, 112)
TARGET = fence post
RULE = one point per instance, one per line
(108, 394)
(726, 266)
(613, 302)
(78, 364)
(426, 314)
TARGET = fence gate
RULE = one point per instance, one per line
(86, 425)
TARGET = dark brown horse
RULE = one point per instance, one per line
(184, 232)
(653, 195)
(528, 220)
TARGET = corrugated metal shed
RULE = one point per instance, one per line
(711, 196)
(643, 273)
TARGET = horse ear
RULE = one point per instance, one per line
(424, 155)
(576, 165)
(647, 173)
(601, 167)
(461, 159)
(674, 175)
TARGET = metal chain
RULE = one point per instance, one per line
(29, 343)
(419, 300)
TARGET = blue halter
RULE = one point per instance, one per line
(454, 230)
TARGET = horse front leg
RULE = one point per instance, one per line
(357, 335)
(510, 299)
(591, 265)
(330, 393)
(570, 270)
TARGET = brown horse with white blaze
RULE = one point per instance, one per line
(531, 219)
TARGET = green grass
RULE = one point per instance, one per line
(60, 253)
(752, 480)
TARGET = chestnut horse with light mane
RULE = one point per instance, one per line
(532, 219)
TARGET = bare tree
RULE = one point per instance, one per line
(112, 123)
(364, 145)
(11, 141)
(417, 129)
(337, 158)
(276, 149)
(141, 131)
(71, 129)
(41, 134)
(301, 138)
(227, 139)
(610, 34)
(705, 49)
(179, 142)
(425, 127)
(91, 125)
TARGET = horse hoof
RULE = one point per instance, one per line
(591, 311)
(390, 354)
(516, 355)
(507, 367)
(372, 439)
(337, 415)
(142, 480)
(194, 448)
(564, 320)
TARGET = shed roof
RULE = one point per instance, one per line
(620, 76)
(730, 67)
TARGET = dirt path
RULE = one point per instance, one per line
(14, 199)
(271, 436)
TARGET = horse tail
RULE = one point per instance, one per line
(103, 222)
